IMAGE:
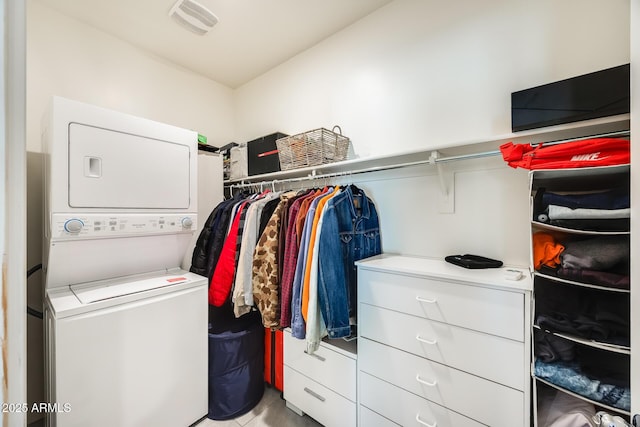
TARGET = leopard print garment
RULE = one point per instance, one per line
(265, 270)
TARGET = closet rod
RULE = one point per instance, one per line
(432, 160)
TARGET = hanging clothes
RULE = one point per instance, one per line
(288, 256)
(209, 244)
(265, 285)
(223, 275)
(290, 259)
(242, 286)
(350, 232)
(298, 327)
(310, 251)
(316, 328)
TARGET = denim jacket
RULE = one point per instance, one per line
(350, 232)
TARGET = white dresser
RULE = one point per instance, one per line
(442, 345)
(322, 384)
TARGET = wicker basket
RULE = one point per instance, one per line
(316, 147)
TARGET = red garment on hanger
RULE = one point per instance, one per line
(222, 278)
(575, 154)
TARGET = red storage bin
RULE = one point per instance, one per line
(273, 361)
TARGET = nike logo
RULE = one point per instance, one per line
(588, 157)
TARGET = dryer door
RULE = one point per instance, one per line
(116, 170)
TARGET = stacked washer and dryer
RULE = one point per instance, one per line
(125, 327)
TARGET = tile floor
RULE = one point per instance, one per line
(270, 412)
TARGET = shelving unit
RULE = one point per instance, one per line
(552, 294)
(456, 150)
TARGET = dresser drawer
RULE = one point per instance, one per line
(368, 418)
(483, 309)
(483, 400)
(325, 406)
(406, 408)
(327, 367)
(496, 358)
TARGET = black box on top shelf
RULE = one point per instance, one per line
(599, 94)
(262, 154)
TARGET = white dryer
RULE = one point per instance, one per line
(126, 328)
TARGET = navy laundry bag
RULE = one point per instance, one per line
(236, 367)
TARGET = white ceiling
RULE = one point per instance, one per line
(252, 36)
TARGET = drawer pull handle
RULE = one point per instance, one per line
(314, 394)
(426, 341)
(320, 358)
(428, 301)
(427, 383)
(424, 423)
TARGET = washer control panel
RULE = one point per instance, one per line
(65, 226)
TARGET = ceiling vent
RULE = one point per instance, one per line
(193, 16)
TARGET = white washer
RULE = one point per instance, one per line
(126, 328)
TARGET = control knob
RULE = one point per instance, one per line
(187, 222)
(73, 226)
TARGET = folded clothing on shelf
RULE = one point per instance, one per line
(594, 277)
(585, 313)
(561, 212)
(546, 251)
(569, 376)
(592, 224)
(602, 260)
(600, 253)
(550, 348)
(605, 327)
(602, 211)
(607, 200)
(575, 154)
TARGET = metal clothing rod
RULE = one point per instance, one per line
(312, 176)
(433, 159)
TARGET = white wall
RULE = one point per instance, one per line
(491, 210)
(68, 58)
(419, 74)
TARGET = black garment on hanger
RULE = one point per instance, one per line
(203, 247)
(203, 251)
(267, 211)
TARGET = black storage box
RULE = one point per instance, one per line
(262, 154)
(600, 94)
